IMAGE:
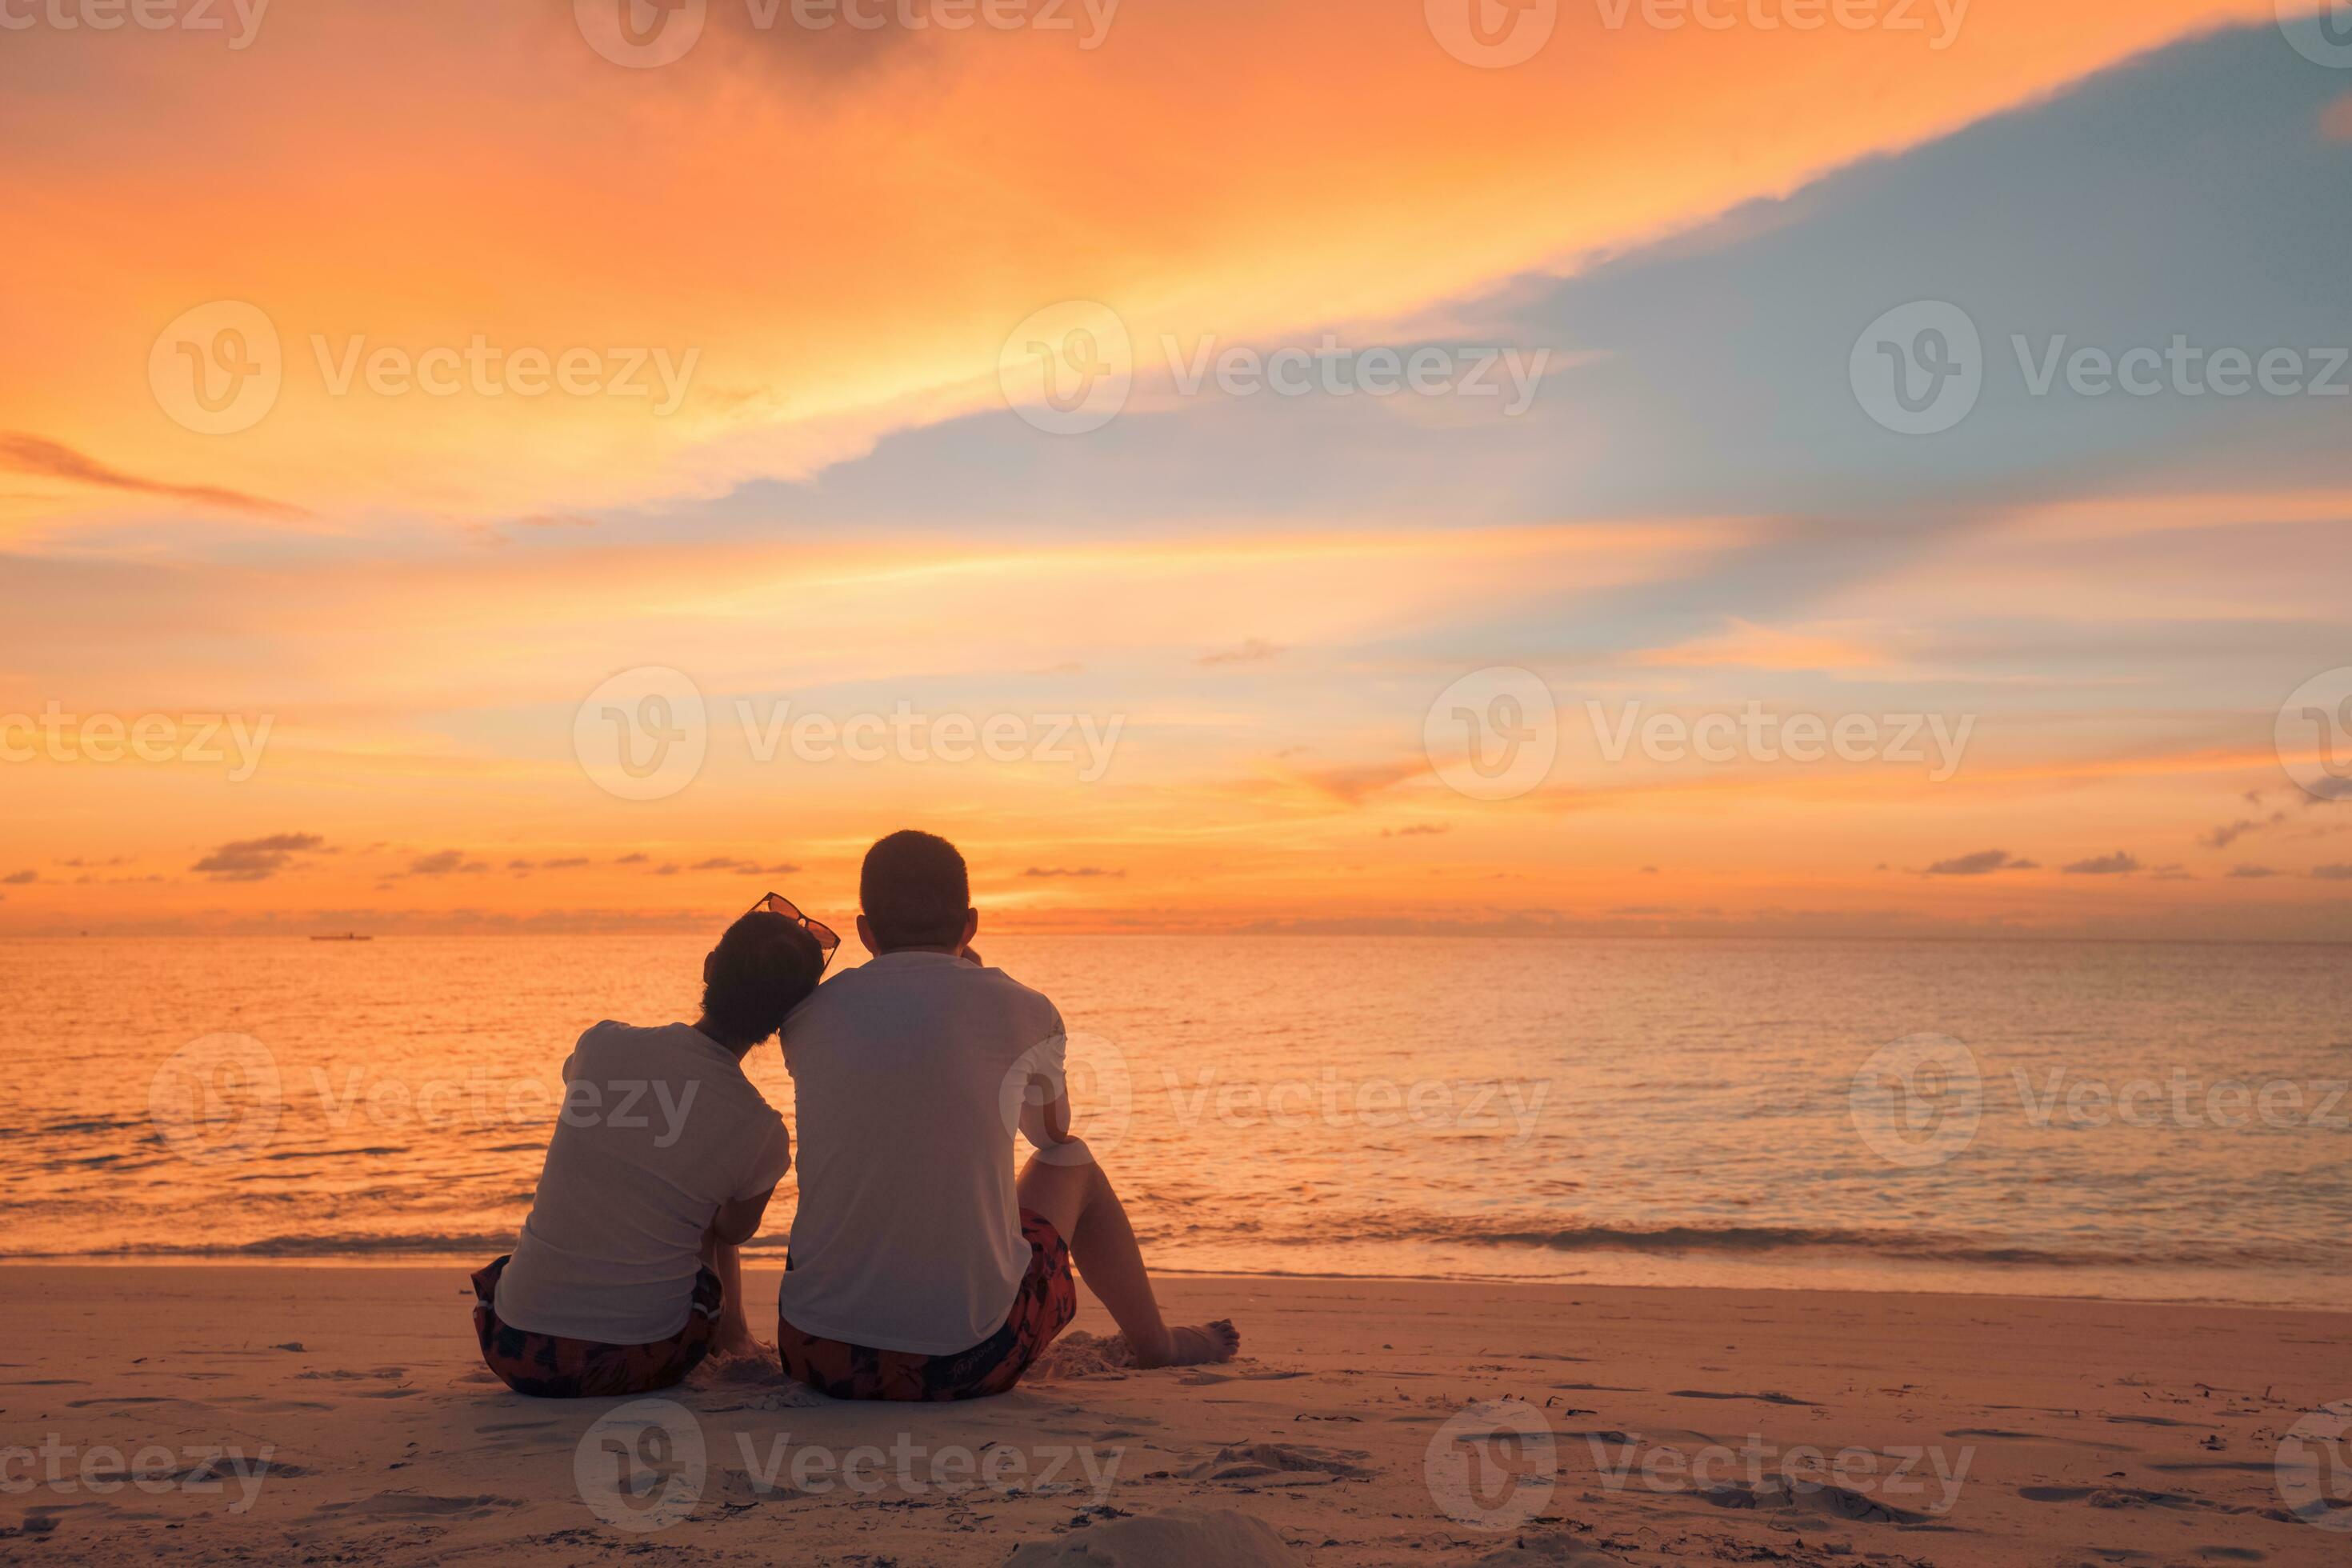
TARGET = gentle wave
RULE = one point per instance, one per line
(1912, 1246)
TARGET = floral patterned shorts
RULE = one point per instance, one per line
(1047, 1300)
(553, 1367)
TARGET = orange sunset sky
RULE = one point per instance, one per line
(785, 438)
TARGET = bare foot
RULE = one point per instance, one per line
(1192, 1346)
(739, 1347)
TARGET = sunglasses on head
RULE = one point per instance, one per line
(826, 941)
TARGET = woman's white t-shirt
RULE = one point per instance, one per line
(659, 1127)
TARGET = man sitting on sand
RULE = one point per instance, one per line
(626, 1273)
(920, 1269)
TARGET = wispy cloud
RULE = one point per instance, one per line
(1256, 651)
(2229, 833)
(52, 460)
(257, 859)
(2118, 864)
(446, 863)
(1984, 862)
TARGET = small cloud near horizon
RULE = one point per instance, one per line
(1417, 830)
(2120, 864)
(1256, 650)
(1984, 862)
(1042, 872)
(2230, 833)
(445, 863)
(2253, 873)
(2333, 873)
(257, 859)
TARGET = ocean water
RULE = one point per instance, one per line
(2165, 1121)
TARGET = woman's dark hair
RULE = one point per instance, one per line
(764, 966)
(915, 891)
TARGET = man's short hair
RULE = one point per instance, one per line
(915, 891)
(764, 966)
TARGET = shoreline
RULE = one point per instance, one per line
(771, 1258)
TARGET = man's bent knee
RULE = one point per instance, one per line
(1071, 1153)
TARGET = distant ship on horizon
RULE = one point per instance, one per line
(346, 936)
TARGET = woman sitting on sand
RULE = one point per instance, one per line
(626, 1274)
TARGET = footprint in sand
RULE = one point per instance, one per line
(1284, 1464)
(2128, 1497)
(1758, 1398)
(1180, 1538)
(419, 1505)
(1819, 1498)
(1549, 1552)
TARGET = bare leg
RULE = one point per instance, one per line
(726, 1260)
(1072, 1192)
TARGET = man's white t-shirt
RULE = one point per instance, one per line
(908, 1076)
(659, 1128)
